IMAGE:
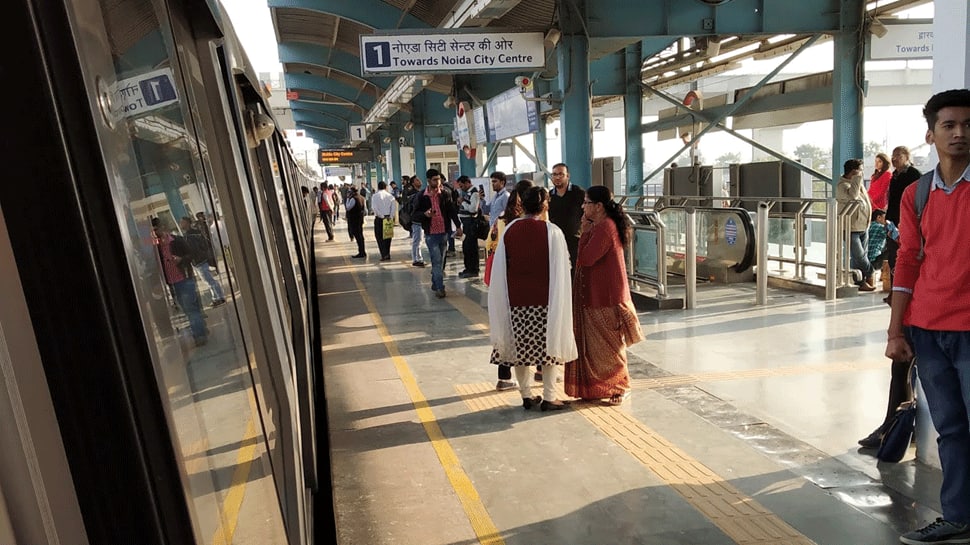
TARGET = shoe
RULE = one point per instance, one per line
(439, 293)
(617, 399)
(218, 302)
(873, 440)
(529, 402)
(866, 287)
(550, 406)
(201, 341)
(450, 253)
(537, 377)
(465, 274)
(503, 385)
(359, 256)
(388, 258)
(418, 264)
(940, 531)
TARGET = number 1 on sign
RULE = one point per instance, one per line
(358, 133)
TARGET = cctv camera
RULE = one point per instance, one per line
(401, 141)
(523, 83)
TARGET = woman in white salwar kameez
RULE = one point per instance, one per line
(529, 300)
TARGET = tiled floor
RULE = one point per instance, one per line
(741, 428)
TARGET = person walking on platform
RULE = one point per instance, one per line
(528, 300)
(850, 190)
(469, 204)
(384, 206)
(176, 263)
(326, 209)
(354, 213)
(511, 210)
(604, 319)
(931, 305)
(411, 189)
(437, 212)
(200, 255)
(566, 209)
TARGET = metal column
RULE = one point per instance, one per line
(576, 133)
(632, 116)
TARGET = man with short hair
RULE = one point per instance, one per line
(469, 201)
(931, 306)
(411, 190)
(436, 210)
(904, 173)
(566, 208)
(497, 206)
(849, 190)
(383, 205)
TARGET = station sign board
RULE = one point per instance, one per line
(344, 156)
(451, 52)
(903, 41)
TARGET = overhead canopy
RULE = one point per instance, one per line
(319, 46)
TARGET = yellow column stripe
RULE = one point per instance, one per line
(481, 522)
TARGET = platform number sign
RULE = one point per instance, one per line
(358, 133)
(377, 54)
(599, 122)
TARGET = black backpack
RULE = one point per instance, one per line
(198, 248)
(407, 208)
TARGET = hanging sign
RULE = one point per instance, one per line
(451, 52)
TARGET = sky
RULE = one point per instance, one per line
(254, 26)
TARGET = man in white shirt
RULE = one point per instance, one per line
(383, 205)
(468, 203)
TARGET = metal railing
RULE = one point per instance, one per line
(801, 212)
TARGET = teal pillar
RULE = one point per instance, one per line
(632, 115)
(847, 79)
(573, 63)
(396, 155)
(466, 166)
(542, 153)
(490, 164)
(420, 147)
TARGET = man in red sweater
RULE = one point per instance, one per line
(931, 307)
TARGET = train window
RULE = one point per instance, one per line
(184, 270)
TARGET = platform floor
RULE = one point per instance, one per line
(741, 428)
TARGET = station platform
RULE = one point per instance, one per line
(741, 427)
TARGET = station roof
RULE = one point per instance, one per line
(680, 40)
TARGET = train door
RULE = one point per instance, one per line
(183, 314)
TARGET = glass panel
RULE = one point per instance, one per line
(645, 260)
(183, 272)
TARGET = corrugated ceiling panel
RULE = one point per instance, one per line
(528, 15)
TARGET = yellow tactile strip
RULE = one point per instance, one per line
(740, 517)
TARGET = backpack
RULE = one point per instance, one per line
(198, 248)
(405, 211)
(924, 184)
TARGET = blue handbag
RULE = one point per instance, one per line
(899, 435)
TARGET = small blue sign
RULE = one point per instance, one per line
(157, 90)
(377, 55)
(731, 231)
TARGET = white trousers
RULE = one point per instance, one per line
(523, 374)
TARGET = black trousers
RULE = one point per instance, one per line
(356, 230)
(900, 387)
(383, 244)
(327, 217)
(469, 246)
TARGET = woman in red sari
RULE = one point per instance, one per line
(604, 319)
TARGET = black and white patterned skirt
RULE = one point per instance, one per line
(529, 326)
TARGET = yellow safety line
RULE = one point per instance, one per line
(480, 520)
(232, 503)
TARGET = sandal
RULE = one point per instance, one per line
(618, 399)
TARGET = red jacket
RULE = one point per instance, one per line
(600, 267)
(941, 301)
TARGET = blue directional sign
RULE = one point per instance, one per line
(377, 55)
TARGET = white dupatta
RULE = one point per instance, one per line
(560, 340)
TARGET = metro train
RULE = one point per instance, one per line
(152, 392)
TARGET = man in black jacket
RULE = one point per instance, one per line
(566, 208)
(904, 173)
(436, 210)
